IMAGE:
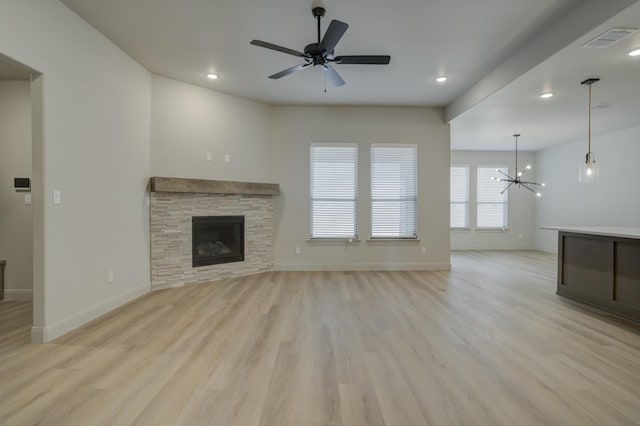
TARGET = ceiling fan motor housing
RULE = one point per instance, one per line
(319, 57)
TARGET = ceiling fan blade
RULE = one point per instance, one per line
(333, 35)
(363, 59)
(272, 46)
(333, 76)
(288, 71)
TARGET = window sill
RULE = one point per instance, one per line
(492, 229)
(393, 242)
(460, 229)
(333, 241)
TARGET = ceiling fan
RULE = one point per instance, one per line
(321, 54)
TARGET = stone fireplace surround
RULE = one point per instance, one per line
(173, 203)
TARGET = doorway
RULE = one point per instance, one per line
(20, 204)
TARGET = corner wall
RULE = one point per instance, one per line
(188, 121)
(295, 128)
(16, 220)
(614, 201)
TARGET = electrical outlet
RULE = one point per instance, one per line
(27, 199)
(57, 197)
(110, 276)
(423, 250)
(209, 156)
(298, 251)
(227, 158)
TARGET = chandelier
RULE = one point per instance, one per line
(517, 180)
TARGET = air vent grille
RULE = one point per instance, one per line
(608, 38)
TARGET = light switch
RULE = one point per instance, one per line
(209, 156)
(57, 197)
(227, 158)
(27, 199)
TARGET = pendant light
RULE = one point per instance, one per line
(517, 180)
(589, 172)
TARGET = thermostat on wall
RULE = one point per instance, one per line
(22, 184)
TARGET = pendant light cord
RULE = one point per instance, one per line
(589, 138)
(589, 82)
(516, 156)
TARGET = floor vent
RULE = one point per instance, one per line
(608, 38)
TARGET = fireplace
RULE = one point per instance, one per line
(217, 239)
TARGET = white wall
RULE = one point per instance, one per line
(16, 220)
(93, 145)
(521, 204)
(614, 201)
(188, 121)
(295, 128)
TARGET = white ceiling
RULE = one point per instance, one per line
(517, 108)
(470, 41)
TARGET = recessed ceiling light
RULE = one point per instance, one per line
(211, 76)
(442, 79)
(546, 95)
(634, 53)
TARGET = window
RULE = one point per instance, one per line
(393, 191)
(459, 188)
(334, 189)
(492, 206)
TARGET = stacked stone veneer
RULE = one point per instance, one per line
(171, 215)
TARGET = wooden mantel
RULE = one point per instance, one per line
(203, 186)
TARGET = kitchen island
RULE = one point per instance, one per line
(600, 266)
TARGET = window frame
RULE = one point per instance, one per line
(466, 203)
(413, 198)
(504, 202)
(354, 200)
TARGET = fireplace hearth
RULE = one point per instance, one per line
(217, 239)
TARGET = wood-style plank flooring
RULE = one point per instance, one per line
(488, 343)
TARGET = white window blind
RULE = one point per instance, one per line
(459, 187)
(334, 189)
(393, 191)
(492, 206)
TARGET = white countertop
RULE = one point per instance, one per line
(607, 231)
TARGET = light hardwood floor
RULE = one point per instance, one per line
(488, 343)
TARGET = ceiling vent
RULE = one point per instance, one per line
(608, 38)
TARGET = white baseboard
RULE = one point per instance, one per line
(484, 248)
(548, 250)
(65, 325)
(18, 294)
(362, 267)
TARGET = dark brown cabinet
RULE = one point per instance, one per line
(601, 270)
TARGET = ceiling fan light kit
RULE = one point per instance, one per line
(517, 180)
(321, 54)
(589, 172)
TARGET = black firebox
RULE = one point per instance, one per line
(217, 239)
